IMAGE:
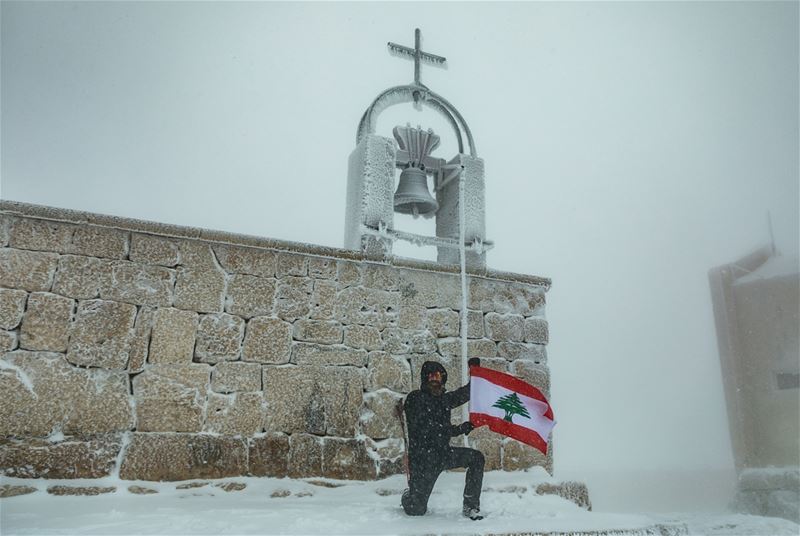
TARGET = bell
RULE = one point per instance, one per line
(412, 196)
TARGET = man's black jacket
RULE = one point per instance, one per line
(428, 419)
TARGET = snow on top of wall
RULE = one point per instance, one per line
(776, 266)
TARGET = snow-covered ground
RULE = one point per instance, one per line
(285, 506)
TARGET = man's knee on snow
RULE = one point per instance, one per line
(411, 507)
(415, 510)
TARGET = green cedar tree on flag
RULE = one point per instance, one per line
(512, 405)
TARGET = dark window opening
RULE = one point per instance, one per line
(788, 380)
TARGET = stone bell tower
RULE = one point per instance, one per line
(373, 194)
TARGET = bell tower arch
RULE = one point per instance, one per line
(374, 194)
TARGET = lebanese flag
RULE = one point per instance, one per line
(510, 407)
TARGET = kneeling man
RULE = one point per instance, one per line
(427, 414)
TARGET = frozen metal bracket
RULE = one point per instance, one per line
(478, 246)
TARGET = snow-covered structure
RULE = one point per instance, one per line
(458, 182)
(756, 301)
(159, 352)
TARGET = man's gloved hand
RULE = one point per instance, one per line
(474, 362)
(466, 427)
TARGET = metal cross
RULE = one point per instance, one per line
(417, 54)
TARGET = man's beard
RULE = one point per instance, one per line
(436, 389)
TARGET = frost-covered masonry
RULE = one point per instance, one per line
(167, 353)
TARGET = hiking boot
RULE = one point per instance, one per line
(472, 513)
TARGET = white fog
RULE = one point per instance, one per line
(629, 148)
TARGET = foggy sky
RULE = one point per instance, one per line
(629, 147)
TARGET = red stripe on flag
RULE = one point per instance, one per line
(513, 384)
(515, 431)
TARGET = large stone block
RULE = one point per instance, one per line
(231, 377)
(443, 323)
(171, 398)
(536, 330)
(367, 306)
(575, 492)
(305, 456)
(505, 297)
(761, 479)
(533, 373)
(41, 235)
(379, 417)
(506, 327)
(313, 399)
(475, 327)
(407, 341)
(99, 242)
(430, 289)
(317, 354)
(23, 412)
(348, 274)
(219, 338)
(73, 457)
(10, 490)
(323, 299)
(322, 331)
(101, 335)
(43, 393)
(321, 268)
(197, 254)
(366, 337)
(46, 323)
(151, 249)
(139, 284)
(451, 346)
(490, 444)
(518, 350)
(269, 455)
(244, 260)
(389, 454)
(80, 490)
(380, 276)
(200, 289)
(518, 456)
(100, 402)
(172, 339)
(388, 371)
(235, 414)
(267, 340)
(5, 229)
(783, 503)
(140, 338)
(293, 297)
(250, 296)
(183, 457)
(27, 270)
(81, 277)
(412, 317)
(12, 306)
(291, 264)
(347, 459)
(495, 363)
(8, 341)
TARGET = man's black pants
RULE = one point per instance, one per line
(423, 475)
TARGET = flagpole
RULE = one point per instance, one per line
(463, 257)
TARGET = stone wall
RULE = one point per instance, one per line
(169, 353)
